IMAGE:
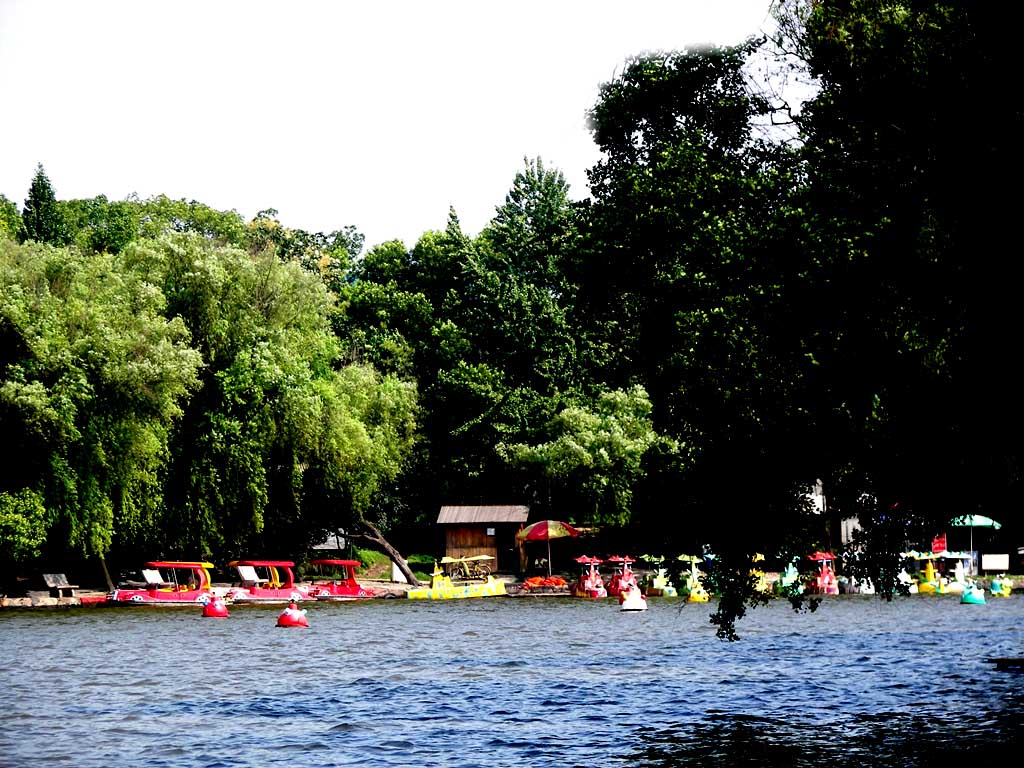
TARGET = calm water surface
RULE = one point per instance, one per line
(513, 682)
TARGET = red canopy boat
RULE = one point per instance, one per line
(167, 583)
(589, 583)
(825, 583)
(623, 579)
(266, 581)
(339, 588)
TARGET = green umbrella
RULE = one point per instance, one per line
(974, 521)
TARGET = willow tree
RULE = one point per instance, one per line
(281, 439)
(93, 378)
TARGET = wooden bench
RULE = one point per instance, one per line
(58, 585)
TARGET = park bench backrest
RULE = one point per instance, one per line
(54, 580)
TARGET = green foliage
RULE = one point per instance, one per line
(42, 218)
(281, 441)
(10, 219)
(102, 226)
(327, 255)
(162, 216)
(598, 451)
(910, 220)
(23, 526)
(92, 377)
(685, 284)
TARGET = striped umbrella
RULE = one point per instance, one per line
(546, 530)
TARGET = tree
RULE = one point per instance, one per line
(282, 440)
(599, 451)
(160, 215)
(102, 226)
(23, 526)
(10, 219)
(42, 217)
(92, 379)
(328, 255)
(910, 222)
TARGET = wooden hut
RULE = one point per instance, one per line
(484, 530)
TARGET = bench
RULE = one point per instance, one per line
(58, 585)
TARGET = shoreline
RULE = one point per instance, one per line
(383, 589)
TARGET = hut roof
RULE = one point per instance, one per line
(509, 513)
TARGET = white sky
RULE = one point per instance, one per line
(379, 114)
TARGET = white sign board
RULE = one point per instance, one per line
(995, 562)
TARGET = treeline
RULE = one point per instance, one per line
(732, 315)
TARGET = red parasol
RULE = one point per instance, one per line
(546, 530)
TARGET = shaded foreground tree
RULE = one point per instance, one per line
(687, 282)
(909, 223)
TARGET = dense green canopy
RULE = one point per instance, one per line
(735, 315)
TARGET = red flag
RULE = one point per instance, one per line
(939, 543)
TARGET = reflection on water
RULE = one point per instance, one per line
(513, 682)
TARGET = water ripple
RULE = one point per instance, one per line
(547, 682)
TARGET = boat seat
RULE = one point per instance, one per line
(153, 578)
(249, 577)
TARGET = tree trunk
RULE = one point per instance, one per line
(106, 574)
(374, 535)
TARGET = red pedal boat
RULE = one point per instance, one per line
(589, 583)
(340, 588)
(266, 581)
(623, 579)
(168, 583)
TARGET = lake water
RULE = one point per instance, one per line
(537, 681)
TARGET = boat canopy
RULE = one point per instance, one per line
(471, 558)
(353, 563)
(267, 563)
(178, 564)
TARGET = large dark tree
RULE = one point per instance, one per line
(912, 223)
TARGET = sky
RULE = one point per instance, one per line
(380, 114)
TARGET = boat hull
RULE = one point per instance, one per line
(443, 589)
(160, 598)
(256, 596)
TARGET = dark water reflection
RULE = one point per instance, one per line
(513, 682)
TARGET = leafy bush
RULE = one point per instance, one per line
(22, 526)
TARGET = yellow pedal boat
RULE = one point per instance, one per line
(441, 588)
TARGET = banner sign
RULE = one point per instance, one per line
(995, 563)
